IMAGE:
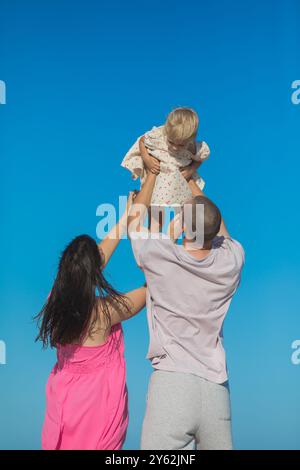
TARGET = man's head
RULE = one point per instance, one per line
(202, 220)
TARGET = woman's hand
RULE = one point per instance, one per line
(124, 218)
(130, 198)
(187, 171)
(152, 164)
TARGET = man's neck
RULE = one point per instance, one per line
(198, 253)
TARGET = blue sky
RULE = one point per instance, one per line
(84, 79)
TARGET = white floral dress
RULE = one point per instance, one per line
(171, 188)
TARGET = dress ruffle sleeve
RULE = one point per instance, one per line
(202, 152)
(133, 161)
(156, 146)
(154, 139)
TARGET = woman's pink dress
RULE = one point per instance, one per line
(87, 397)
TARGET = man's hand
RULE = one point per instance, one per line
(196, 191)
(152, 164)
(188, 171)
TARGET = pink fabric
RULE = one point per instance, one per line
(87, 397)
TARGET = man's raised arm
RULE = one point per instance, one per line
(108, 245)
(196, 191)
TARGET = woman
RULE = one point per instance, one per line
(86, 392)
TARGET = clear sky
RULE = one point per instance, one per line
(83, 80)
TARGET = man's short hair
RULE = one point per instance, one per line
(212, 218)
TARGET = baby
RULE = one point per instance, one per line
(172, 151)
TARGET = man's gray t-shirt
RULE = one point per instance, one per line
(187, 301)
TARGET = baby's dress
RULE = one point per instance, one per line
(171, 188)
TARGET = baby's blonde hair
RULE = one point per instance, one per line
(181, 124)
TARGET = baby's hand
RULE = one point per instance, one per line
(152, 164)
(187, 171)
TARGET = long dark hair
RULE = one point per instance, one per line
(67, 314)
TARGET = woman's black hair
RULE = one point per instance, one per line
(66, 317)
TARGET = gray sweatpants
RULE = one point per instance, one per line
(185, 412)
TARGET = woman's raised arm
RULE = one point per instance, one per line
(108, 245)
(135, 301)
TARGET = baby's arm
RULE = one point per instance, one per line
(151, 163)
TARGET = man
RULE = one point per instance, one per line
(190, 288)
